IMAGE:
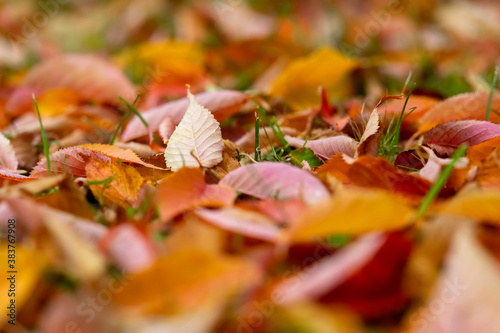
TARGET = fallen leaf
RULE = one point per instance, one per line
(196, 141)
(243, 222)
(354, 212)
(124, 185)
(186, 189)
(446, 137)
(92, 77)
(300, 80)
(197, 275)
(8, 160)
(481, 205)
(460, 107)
(268, 180)
(222, 104)
(464, 304)
(327, 147)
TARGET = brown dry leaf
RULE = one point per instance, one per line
(124, 187)
(353, 211)
(197, 275)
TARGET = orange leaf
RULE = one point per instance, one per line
(123, 190)
(186, 279)
(186, 189)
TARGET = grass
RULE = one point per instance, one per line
(257, 127)
(45, 141)
(131, 108)
(440, 182)
(492, 90)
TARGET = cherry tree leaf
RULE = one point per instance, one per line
(446, 137)
(241, 221)
(196, 140)
(327, 147)
(267, 180)
(222, 104)
(72, 160)
(465, 304)
(186, 189)
(8, 160)
(461, 107)
(92, 77)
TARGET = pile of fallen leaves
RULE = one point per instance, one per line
(240, 179)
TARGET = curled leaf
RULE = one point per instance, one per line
(327, 147)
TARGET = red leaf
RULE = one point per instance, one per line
(446, 137)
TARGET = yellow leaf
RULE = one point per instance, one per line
(167, 59)
(481, 205)
(28, 266)
(56, 101)
(299, 82)
(118, 184)
(352, 212)
(185, 279)
(196, 140)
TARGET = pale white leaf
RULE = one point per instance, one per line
(8, 158)
(196, 140)
(371, 127)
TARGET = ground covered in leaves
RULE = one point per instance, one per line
(233, 166)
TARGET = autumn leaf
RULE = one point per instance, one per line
(446, 137)
(352, 212)
(117, 184)
(197, 274)
(92, 77)
(327, 147)
(8, 160)
(481, 205)
(460, 107)
(279, 180)
(196, 141)
(300, 80)
(222, 104)
(186, 189)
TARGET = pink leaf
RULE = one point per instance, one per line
(8, 160)
(331, 271)
(446, 137)
(92, 77)
(327, 147)
(467, 295)
(222, 104)
(245, 222)
(267, 180)
(129, 248)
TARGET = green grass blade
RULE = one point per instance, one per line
(440, 182)
(492, 90)
(44, 136)
(257, 128)
(134, 110)
(397, 130)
